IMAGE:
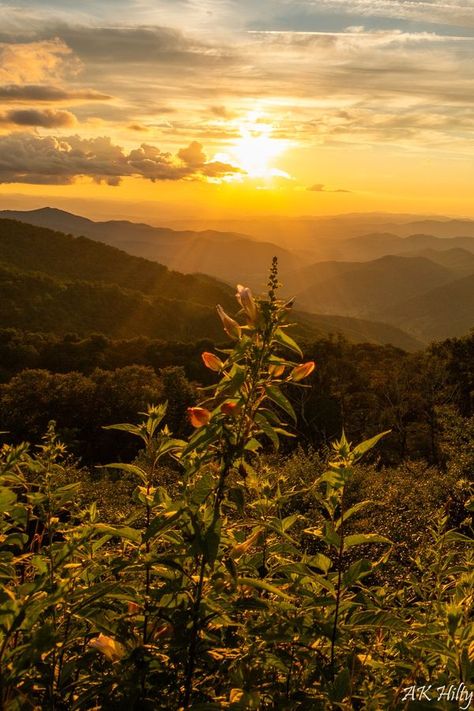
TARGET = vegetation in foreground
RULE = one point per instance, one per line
(229, 582)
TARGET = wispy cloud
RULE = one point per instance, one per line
(321, 188)
(446, 12)
(18, 93)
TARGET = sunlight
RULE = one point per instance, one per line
(256, 148)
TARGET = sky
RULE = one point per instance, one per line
(172, 109)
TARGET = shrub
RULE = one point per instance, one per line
(207, 595)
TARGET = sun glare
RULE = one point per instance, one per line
(256, 149)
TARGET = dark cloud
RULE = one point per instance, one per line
(138, 127)
(27, 158)
(44, 92)
(131, 46)
(321, 188)
(45, 118)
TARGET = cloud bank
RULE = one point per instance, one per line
(27, 158)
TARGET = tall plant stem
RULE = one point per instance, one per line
(338, 588)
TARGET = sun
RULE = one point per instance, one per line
(256, 149)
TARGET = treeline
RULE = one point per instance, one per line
(87, 383)
(82, 405)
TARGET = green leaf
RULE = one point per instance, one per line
(377, 618)
(202, 488)
(126, 427)
(263, 585)
(320, 561)
(7, 498)
(212, 539)
(129, 468)
(455, 537)
(281, 400)
(285, 340)
(341, 685)
(253, 445)
(353, 510)
(356, 571)
(130, 534)
(268, 430)
(360, 539)
(368, 444)
(160, 523)
(234, 383)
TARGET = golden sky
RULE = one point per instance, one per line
(206, 108)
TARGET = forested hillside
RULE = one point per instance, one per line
(410, 282)
(57, 283)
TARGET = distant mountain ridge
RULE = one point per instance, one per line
(58, 283)
(370, 276)
(364, 289)
(437, 312)
(222, 253)
(229, 255)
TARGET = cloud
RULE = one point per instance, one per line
(321, 188)
(223, 112)
(46, 118)
(138, 127)
(48, 93)
(27, 158)
(147, 46)
(35, 61)
(387, 81)
(192, 155)
(449, 12)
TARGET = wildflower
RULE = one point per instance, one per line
(246, 300)
(231, 327)
(211, 361)
(230, 408)
(302, 371)
(198, 416)
(110, 648)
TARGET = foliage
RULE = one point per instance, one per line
(217, 592)
(84, 404)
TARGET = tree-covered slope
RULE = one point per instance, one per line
(58, 283)
(40, 249)
(35, 301)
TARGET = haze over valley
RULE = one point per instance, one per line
(419, 283)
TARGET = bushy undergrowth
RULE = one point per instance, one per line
(231, 585)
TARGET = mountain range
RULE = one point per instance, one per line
(419, 283)
(53, 282)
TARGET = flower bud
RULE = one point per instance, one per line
(246, 300)
(231, 327)
(302, 371)
(276, 370)
(230, 408)
(211, 361)
(110, 648)
(198, 416)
